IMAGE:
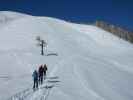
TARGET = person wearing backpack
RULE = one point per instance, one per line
(35, 79)
(45, 70)
(40, 71)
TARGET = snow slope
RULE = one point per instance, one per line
(92, 64)
(6, 17)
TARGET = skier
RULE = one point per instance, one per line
(35, 79)
(44, 70)
(40, 71)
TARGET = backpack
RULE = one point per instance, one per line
(45, 67)
(35, 75)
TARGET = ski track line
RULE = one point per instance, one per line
(29, 93)
(22, 95)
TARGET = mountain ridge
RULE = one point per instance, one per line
(91, 63)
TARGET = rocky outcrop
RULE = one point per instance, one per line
(120, 32)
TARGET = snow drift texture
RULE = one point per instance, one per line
(92, 64)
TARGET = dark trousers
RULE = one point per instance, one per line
(44, 76)
(41, 79)
(35, 84)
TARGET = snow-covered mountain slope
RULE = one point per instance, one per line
(6, 17)
(92, 64)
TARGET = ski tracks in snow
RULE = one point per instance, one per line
(40, 94)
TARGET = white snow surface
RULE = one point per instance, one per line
(92, 64)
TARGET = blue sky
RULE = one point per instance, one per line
(119, 12)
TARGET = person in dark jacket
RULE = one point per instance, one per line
(44, 70)
(40, 71)
(35, 79)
